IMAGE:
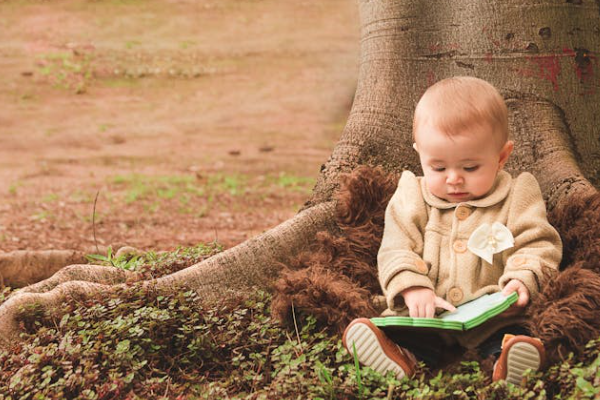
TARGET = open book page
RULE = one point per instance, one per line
(473, 309)
(466, 316)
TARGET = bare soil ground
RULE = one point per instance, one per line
(192, 120)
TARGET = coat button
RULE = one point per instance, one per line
(463, 213)
(455, 295)
(459, 246)
(421, 266)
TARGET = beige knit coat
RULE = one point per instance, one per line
(425, 244)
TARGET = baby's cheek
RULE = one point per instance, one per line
(483, 185)
(436, 186)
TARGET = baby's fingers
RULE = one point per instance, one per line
(413, 311)
(517, 286)
(510, 287)
(429, 311)
(441, 303)
(523, 298)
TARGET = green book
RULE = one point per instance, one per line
(466, 316)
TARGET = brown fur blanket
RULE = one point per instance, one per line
(336, 280)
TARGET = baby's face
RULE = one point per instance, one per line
(462, 167)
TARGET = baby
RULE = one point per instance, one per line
(464, 229)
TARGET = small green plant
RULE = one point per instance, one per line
(42, 215)
(12, 189)
(50, 197)
(142, 187)
(130, 44)
(235, 184)
(104, 127)
(4, 293)
(326, 379)
(295, 183)
(28, 97)
(71, 70)
(79, 196)
(125, 261)
(186, 44)
(153, 265)
(357, 371)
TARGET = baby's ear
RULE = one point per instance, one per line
(415, 147)
(505, 153)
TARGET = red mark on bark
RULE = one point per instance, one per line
(548, 68)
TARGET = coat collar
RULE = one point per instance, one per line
(498, 193)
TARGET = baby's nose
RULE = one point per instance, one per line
(453, 178)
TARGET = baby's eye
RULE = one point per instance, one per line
(472, 169)
(438, 169)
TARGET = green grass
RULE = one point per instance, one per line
(66, 70)
(130, 44)
(50, 198)
(12, 189)
(292, 182)
(42, 215)
(104, 127)
(145, 343)
(185, 44)
(80, 196)
(185, 189)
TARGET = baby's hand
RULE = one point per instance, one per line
(516, 285)
(422, 302)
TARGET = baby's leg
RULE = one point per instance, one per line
(427, 346)
(493, 344)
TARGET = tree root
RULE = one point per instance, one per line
(21, 268)
(254, 263)
(9, 326)
(107, 275)
(548, 152)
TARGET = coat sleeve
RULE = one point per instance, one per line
(399, 261)
(538, 248)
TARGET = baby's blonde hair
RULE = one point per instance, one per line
(457, 104)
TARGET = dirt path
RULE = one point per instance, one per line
(193, 120)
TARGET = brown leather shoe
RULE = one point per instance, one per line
(519, 353)
(374, 349)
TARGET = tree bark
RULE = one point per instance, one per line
(532, 51)
(541, 55)
(21, 268)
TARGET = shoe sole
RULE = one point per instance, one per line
(521, 357)
(369, 350)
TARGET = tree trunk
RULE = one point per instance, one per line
(542, 55)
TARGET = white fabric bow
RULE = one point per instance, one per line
(488, 240)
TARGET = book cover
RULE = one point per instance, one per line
(466, 316)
